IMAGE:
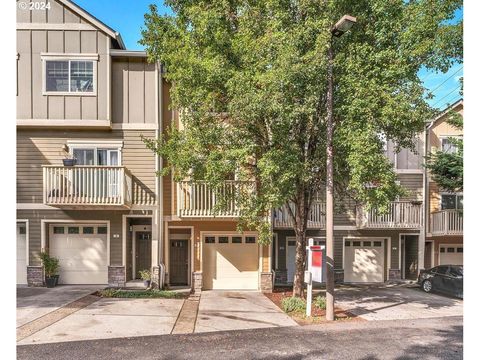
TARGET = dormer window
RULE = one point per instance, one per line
(63, 75)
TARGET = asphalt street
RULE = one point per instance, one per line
(434, 338)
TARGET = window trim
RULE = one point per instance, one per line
(94, 58)
(95, 145)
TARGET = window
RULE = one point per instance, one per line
(73, 230)
(452, 201)
(356, 243)
(22, 230)
(442, 250)
(450, 250)
(236, 239)
(223, 239)
(96, 156)
(87, 230)
(448, 145)
(292, 243)
(69, 76)
(102, 230)
(367, 243)
(347, 243)
(460, 250)
(58, 230)
(250, 240)
(377, 243)
(209, 239)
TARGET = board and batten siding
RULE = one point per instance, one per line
(44, 147)
(31, 102)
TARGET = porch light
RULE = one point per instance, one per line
(343, 25)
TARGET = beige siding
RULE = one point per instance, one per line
(37, 148)
(31, 102)
(413, 183)
(407, 159)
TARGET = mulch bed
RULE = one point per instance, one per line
(318, 315)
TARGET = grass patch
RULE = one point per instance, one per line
(140, 294)
(320, 302)
(293, 304)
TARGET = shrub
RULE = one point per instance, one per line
(145, 274)
(321, 302)
(293, 304)
(139, 294)
(50, 264)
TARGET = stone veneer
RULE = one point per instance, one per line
(35, 276)
(266, 282)
(116, 276)
(155, 277)
(197, 280)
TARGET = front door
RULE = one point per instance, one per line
(179, 262)
(143, 251)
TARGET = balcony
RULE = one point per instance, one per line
(400, 215)
(199, 200)
(446, 222)
(87, 186)
(316, 218)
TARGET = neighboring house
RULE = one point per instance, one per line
(444, 239)
(81, 94)
(369, 247)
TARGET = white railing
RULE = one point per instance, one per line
(446, 222)
(87, 185)
(400, 215)
(316, 218)
(198, 199)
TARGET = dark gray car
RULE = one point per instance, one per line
(447, 279)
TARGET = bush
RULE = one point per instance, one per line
(145, 274)
(320, 302)
(139, 294)
(50, 264)
(293, 304)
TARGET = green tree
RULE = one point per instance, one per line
(446, 167)
(250, 80)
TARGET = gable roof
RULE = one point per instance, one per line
(445, 111)
(99, 24)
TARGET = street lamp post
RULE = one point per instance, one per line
(341, 27)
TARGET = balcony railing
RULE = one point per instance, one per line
(316, 218)
(198, 199)
(87, 185)
(446, 222)
(400, 215)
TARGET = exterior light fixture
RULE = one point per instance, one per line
(343, 25)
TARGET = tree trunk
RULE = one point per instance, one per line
(301, 215)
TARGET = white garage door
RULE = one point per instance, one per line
(230, 262)
(82, 251)
(364, 261)
(21, 253)
(451, 254)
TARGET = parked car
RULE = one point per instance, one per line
(443, 278)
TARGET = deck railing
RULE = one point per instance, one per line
(400, 215)
(87, 185)
(316, 219)
(199, 199)
(446, 222)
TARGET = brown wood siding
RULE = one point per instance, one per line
(44, 147)
(31, 103)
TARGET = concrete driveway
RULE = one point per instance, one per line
(391, 302)
(33, 303)
(232, 310)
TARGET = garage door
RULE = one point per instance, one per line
(451, 254)
(364, 261)
(21, 253)
(82, 251)
(230, 262)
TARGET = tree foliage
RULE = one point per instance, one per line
(250, 80)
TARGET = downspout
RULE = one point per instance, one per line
(159, 179)
(426, 189)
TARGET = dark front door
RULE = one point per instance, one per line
(179, 262)
(143, 251)
(411, 256)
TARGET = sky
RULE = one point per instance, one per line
(126, 17)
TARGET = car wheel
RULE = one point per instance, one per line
(427, 286)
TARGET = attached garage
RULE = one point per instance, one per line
(82, 251)
(451, 255)
(21, 253)
(230, 262)
(364, 260)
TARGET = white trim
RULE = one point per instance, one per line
(135, 126)
(34, 206)
(96, 143)
(383, 238)
(457, 194)
(61, 123)
(60, 26)
(69, 56)
(137, 228)
(124, 235)
(43, 222)
(344, 227)
(27, 238)
(128, 53)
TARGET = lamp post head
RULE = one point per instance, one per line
(343, 25)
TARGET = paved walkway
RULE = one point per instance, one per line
(229, 310)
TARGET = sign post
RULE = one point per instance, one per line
(314, 270)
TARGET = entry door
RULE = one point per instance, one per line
(143, 251)
(179, 262)
(291, 250)
(21, 253)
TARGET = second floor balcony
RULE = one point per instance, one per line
(446, 222)
(400, 215)
(87, 186)
(316, 218)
